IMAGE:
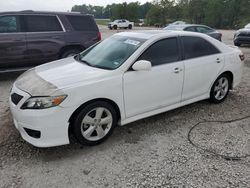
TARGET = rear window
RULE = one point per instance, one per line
(197, 47)
(39, 23)
(82, 23)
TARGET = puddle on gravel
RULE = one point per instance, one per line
(230, 139)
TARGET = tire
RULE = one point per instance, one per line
(70, 52)
(130, 26)
(115, 27)
(87, 126)
(237, 44)
(220, 89)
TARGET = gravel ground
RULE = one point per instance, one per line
(154, 152)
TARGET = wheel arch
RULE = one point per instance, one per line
(231, 76)
(68, 47)
(73, 115)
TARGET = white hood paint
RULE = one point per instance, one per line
(50, 78)
(64, 73)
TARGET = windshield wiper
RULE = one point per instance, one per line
(77, 57)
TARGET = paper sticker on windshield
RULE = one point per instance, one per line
(132, 42)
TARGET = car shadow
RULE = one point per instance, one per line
(10, 76)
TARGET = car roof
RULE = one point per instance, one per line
(183, 26)
(147, 34)
(25, 12)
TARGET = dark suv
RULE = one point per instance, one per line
(30, 38)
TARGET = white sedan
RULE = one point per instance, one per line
(127, 77)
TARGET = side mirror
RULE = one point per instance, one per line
(142, 65)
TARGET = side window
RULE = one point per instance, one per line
(197, 47)
(8, 24)
(40, 23)
(162, 52)
(203, 29)
(82, 23)
(190, 29)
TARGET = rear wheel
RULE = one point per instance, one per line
(70, 52)
(95, 123)
(220, 89)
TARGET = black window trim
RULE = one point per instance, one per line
(179, 47)
(183, 49)
(23, 32)
(18, 24)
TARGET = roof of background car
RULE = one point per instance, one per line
(183, 26)
(43, 12)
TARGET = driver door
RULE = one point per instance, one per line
(145, 91)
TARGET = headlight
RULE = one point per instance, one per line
(236, 34)
(43, 102)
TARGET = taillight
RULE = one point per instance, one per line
(242, 56)
(99, 36)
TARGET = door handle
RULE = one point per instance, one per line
(177, 70)
(218, 60)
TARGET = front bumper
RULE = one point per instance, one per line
(242, 39)
(52, 123)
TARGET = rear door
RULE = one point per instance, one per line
(203, 62)
(45, 37)
(12, 43)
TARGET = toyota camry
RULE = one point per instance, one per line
(127, 77)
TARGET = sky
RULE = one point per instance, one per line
(54, 5)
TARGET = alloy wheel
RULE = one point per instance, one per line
(96, 124)
(221, 88)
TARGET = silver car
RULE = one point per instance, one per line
(195, 28)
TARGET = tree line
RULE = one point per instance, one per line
(215, 13)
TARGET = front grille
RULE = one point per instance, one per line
(15, 98)
(244, 34)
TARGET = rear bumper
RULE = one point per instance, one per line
(52, 124)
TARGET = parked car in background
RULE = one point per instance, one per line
(242, 36)
(127, 77)
(177, 23)
(122, 23)
(196, 28)
(30, 38)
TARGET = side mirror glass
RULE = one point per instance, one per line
(142, 65)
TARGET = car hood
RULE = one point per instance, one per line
(244, 30)
(51, 78)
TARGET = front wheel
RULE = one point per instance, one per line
(220, 89)
(95, 123)
(130, 26)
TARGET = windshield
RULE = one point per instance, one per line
(247, 26)
(110, 53)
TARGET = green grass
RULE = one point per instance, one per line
(102, 21)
